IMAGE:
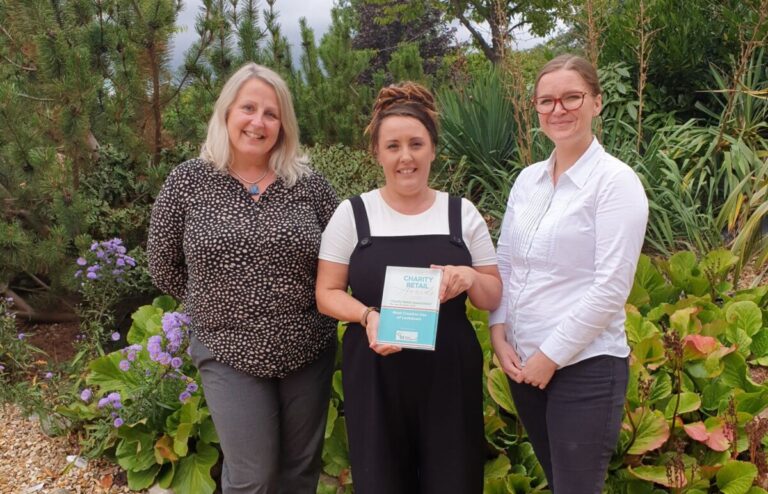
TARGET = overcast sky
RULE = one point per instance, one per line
(317, 13)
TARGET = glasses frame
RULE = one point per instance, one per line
(560, 100)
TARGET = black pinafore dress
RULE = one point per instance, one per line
(414, 418)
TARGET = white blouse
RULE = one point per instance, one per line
(567, 257)
(340, 236)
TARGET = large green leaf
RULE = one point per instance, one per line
(718, 263)
(138, 480)
(659, 474)
(650, 352)
(106, 374)
(736, 477)
(735, 373)
(335, 450)
(649, 283)
(637, 327)
(194, 471)
(182, 424)
(337, 384)
(685, 273)
(147, 321)
(496, 468)
(652, 430)
(496, 486)
(135, 451)
(759, 346)
(498, 388)
(756, 490)
(333, 414)
(751, 403)
(688, 402)
(684, 321)
(746, 316)
(207, 430)
(661, 387)
(165, 303)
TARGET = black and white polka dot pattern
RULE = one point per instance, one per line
(244, 269)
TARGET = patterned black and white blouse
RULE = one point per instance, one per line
(244, 269)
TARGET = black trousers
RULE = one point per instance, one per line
(574, 423)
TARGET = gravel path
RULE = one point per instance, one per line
(31, 462)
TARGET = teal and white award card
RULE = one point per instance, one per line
(410, 306)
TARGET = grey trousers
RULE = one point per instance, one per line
(574, 422)
(271, 430)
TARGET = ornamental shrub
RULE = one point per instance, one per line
(349, 171)
(143, 404)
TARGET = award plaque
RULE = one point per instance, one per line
(410, 307)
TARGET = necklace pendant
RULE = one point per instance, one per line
(254, 190)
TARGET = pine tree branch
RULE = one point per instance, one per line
(35, 98)
(19, 66)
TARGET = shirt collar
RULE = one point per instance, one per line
(579, 172)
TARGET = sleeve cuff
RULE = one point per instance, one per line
(498, 316)
(556, 352)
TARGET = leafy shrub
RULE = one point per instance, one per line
(479, 151)
(694, 418)
(349, 171)
(143, 404)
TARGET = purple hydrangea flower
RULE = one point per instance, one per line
(184, 396)
(92, 276)
(124, 365)
(86, 395)
(192, 387)
(115, 336)
(81, 261)
(176, 362)
(103, 402)
(118, 422)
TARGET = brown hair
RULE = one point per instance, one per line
(407, 99)
(571, 62)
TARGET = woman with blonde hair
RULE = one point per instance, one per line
(235, 235)
(569, 246)
(414, 417)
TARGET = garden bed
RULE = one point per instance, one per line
(31, 461)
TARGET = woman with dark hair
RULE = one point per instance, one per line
(414, 417)
(235, 234)
(569, 246)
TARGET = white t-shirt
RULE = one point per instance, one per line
(340, 236)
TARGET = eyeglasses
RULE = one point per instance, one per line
(569, 102)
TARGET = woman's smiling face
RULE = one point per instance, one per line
(564, 127)
(405, 152)
(253, 121)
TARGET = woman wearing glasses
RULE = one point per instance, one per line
(567, 254)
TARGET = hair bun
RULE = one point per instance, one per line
(404, 93)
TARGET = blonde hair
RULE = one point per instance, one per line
(286, 158)
(575, 63)
(406, 99)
